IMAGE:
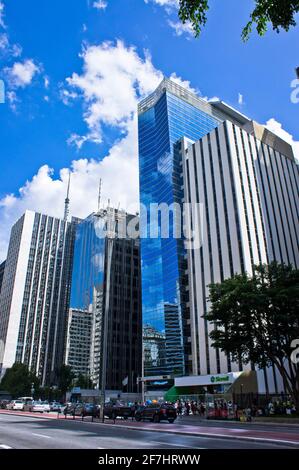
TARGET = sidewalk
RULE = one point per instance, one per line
(197, 420)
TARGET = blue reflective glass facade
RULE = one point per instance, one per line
(88, 266)
(164, 299)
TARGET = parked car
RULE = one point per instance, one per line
(17, 405)
(70, 409)
(28, 405)
(86, 409)
(3, 404)
(55, 406)
(156, 413)
(38, 406)
(47, 407)
(113, 411)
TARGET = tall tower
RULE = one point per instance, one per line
(105, 305)
(67, 201)
(163, 118)
(35, 292)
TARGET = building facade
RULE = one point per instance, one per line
(35, 293)
(245, 181)
(2, 268)
(106, 295)
(163, 118)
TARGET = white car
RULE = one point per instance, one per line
(17, 405)
(40, 406)
(47, 407)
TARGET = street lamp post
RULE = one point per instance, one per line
(32, 390)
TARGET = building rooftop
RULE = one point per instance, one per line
(217, 109)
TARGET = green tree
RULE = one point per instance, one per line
(18, 381)
(257, 318)
(279, 13)
(65, 377)
(83, 381)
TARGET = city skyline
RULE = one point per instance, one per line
(149, 235)
(51, 102)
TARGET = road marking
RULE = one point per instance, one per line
(3, 446)
(41, 435)
(174, 445)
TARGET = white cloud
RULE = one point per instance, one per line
(165, 3)
(46, 82)
(12, 99)
(21, 74)
(45, 193)
(100, 4)
(181, 28)
(2, 24)
(240, 99)
(114, 78)
(183, 83)
(171, 8)
(4, 41)
(277, 128)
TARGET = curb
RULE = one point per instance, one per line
(264, 423)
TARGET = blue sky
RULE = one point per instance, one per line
(75, 70)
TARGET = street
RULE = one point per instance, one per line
(41, 432)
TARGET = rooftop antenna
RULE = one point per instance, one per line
(100, 195)
(67, 201)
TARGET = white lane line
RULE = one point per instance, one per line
(41, 435)
(3, 446)
(173, 445)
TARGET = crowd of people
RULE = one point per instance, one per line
(185, 408)
(224, 409)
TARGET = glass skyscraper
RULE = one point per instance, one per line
(105, 302)
(164, 117)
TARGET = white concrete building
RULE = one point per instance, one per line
(35, 294)
(246, 180)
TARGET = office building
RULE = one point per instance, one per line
(2, 268)
(106, 301)
(246, 181)
(34, 298)
(164, 117)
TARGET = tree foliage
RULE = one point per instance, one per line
(83, 381)
(257, 318)
(279, 13)
(18, 381)
(65, 379)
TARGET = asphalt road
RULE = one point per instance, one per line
(259, 426)
(20, 432)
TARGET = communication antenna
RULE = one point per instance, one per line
(100, 195)
(67, 201)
